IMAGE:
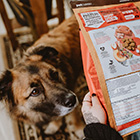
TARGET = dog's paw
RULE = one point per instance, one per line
(53, 127)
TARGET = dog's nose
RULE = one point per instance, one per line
(70, 101)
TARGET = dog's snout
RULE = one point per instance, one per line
(70, 101)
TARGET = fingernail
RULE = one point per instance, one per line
(93, 94)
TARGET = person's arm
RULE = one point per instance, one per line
(98, 131)
(95, 119)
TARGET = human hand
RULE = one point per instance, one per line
(92, 110)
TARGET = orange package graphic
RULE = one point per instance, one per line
(90, 71)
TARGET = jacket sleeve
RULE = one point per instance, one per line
(98, 131)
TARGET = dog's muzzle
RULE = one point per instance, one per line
(70, 100)
(66, 102)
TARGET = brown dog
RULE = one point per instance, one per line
(39, 89)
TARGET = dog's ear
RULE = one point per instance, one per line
(46, 52)
(5, 84)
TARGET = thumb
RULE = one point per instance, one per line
(98, 109)
(95, 101)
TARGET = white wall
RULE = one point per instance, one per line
(6, 124)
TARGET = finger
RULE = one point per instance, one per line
(95, 101)
(87, 97)
(86, 107)
(87, 100)
(86, 103)
(98, 109)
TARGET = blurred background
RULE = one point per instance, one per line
(22, 22)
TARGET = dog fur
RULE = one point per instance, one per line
(39, 88)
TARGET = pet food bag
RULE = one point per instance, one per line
(110, 46)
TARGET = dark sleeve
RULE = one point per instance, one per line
(98, 131)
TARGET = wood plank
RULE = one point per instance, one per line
(8, 26)
(60, 8)
(40, 16)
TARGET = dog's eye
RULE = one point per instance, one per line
(35, 92)
(53, 75)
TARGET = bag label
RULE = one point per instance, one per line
(105, 17)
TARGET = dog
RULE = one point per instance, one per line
(39, 88)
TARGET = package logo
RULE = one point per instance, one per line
(92, 19)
